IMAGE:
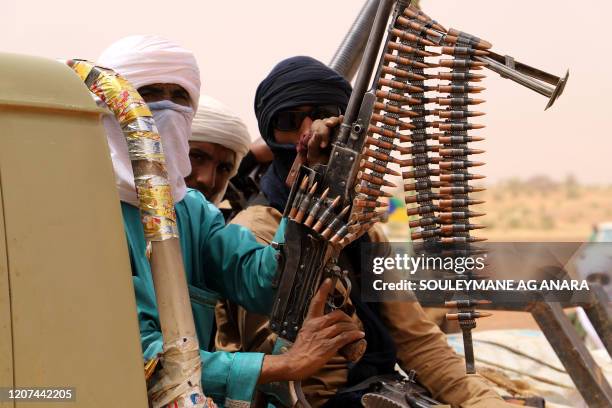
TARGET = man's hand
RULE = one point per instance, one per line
(317, 342)
(319, 140)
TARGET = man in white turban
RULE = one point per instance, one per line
(219, 261)
(218, 143)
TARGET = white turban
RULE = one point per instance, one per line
(216, 123)
(150, 59)
(145, 60)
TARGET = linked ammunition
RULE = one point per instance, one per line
(423, 197)
(470, 315)
(461, 63)
(314, 211)
(457, 165)
(410, 50)
(362, 203)
(298, 198)
(418, 149)
(399, 85)
(371, 192)
(458, 202)
(456, 88)
(463, 51)
(305, 204)
(456, 126)
(326, 216)
(374, 180)
(424, 185)
(402, 73)
(366, 164)
(407, 61)
(460, 189)
(454, 177)
(458, 215)
(459, 139)
(459, 152)
(418, 173)
(387, 120)
(411, 37)
(336, 223)
(459, 101)
(457, 114)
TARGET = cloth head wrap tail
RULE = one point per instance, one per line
(293, 82)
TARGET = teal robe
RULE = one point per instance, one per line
(220, 262)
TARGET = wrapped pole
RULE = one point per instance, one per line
(178, 383)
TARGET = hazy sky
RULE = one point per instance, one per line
(237, 43)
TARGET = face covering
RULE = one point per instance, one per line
(173, 123)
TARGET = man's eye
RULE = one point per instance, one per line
(197, 157)
(225, 168)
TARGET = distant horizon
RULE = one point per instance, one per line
(237, 43)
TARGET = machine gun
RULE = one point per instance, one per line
(394, 113)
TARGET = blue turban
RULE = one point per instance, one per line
(293, 82)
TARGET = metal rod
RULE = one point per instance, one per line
(346, 59)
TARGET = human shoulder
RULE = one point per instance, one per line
(262, 220)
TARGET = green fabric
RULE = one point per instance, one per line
(220, 262)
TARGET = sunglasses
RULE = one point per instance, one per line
(290, 120)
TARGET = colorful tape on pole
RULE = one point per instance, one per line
(144, 146)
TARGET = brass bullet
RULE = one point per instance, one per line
(459, 101)
(405, 100)
(366, 164)
(402, 113)
(422, 209)
(327, 215)
(459, 139)
(455, 177)
(460, 240)
(389, 133)
(423, 222)
(459, 164)
(411, 50)
(459, 152)
(374, 180)
(458, 215)
(401, 73)
(460, 190)
(419, 15)
(298, 197)
(458, 202)
(457, 76)
(387, 120)
(470, 315)
(456, 126)
(461, 63)
(399, 85)
(451, 228)
(456, 88)
(419, 161)
(423, 197)
(336, 223)
(404, 22)
(407, 61)
(463, 51)
(418, 173)
(305, 204)
(457, 114)
(375, 154)
(411, 37)
(314, 211)
(361, 203)
(432, 233)
(371, 192)
(478, 42)
(466, 303)
(423, 185)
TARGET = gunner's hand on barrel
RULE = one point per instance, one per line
(321, 336)
(318, 144)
